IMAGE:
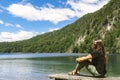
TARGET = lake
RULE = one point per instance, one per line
(39, 66)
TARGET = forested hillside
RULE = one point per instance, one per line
(76, 37)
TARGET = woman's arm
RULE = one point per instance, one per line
(89, 56)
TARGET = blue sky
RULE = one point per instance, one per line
(23, 19)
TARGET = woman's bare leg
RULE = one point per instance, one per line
(79, 66)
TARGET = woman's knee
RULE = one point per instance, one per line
(92, 69)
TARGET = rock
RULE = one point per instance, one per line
(63, 76)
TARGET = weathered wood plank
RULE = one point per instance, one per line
(79, 77)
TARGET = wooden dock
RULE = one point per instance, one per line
(79, 77)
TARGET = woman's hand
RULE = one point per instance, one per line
(84, 58)
(80, 59)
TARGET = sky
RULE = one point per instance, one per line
(24, 19)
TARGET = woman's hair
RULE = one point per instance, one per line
(99, 46)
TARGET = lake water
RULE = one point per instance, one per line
(39, 66)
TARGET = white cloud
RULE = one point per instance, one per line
(82, 8)
(1, 10)
(1, 22)
(90, 1)
(21, 35)
(54, 29)
(19, 26)
(55, 15)
(24, 1)
(49, 5)
(9, 25)
(30, 13)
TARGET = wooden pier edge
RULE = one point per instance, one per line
(63, 76)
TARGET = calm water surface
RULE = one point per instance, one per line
(39, 66)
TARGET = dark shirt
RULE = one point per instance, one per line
(98, 62)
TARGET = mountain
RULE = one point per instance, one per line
(76, 37)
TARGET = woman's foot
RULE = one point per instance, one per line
(74, 73)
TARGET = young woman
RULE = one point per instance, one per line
(95, 62)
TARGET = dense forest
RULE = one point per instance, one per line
(76, 37)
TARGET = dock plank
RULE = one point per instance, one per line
(63, 76)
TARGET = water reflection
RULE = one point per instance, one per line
(114, 65)
(40, 68)
(33, 68)
(16, 69)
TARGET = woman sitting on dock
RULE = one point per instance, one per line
(95, 62)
